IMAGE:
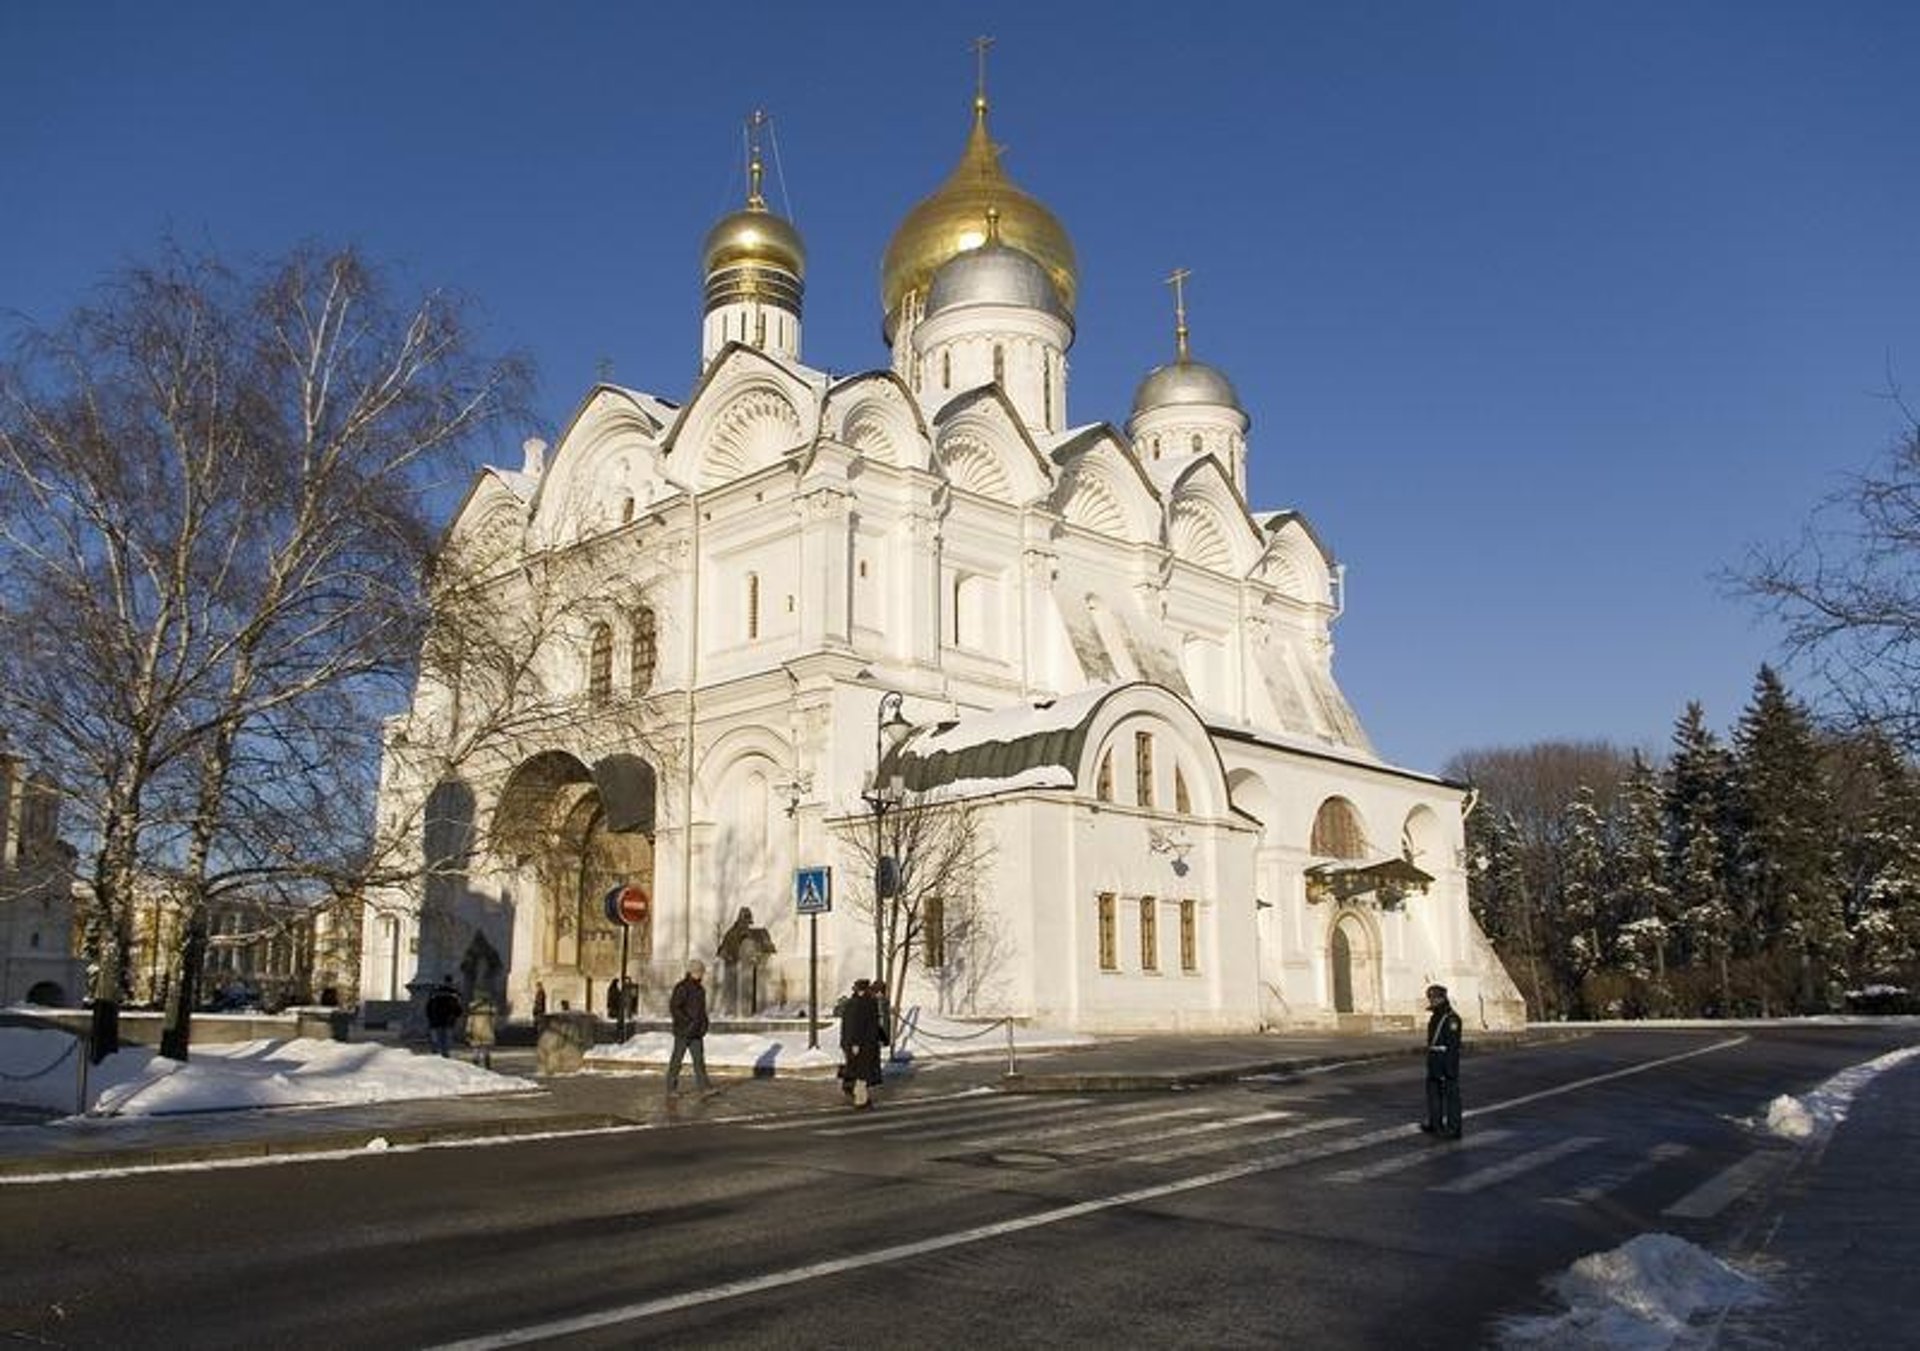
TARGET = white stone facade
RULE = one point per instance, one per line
(753, 569)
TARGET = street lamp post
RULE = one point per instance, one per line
(890, 728)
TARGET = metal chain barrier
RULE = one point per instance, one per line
(56, 1063)
(910, 1027)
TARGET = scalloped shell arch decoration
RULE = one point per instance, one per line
(751, 432)
(1198, 536)
(971, 464)
(1090, 504)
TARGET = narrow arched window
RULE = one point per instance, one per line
(1198, 444)
(626, 509)
(753, 605)
(1182, 800)
(1046, 393)
(646, 649)
(760, 328)
(1143, 768)
(600, 665)
(999, 364)
(1103, 780)
(946, 370)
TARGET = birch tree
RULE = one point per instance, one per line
(215, 520)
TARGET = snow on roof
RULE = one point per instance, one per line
(1009, 724)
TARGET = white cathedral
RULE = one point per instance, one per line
(1084, 633)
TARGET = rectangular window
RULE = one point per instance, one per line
(1189, 938)
(1143, 768)
(1109, 949)
(933, 934)
(1149, 934)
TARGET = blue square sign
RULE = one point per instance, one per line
(813, 890)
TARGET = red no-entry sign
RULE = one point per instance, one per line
(628, 904)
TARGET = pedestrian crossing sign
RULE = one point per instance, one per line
(813, 890)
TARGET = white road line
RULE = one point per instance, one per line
(814, 1120)
(1214, 1145)
(773, 1280)
(936, 1125)
(1401, 1162)
(1121, 1126)
(1211, 1128)
(1723, 1188)
(1620, 1177)
(1512, 1168)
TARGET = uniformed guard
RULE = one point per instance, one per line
(1443, 1066)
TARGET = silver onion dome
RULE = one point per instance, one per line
(994, 274)
(1185, 383)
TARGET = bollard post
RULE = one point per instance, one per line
(83, 1044)
(1013, 1067)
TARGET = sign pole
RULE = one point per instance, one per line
(620, 986)
(813, 982)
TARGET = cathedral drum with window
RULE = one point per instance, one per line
(1126, 793)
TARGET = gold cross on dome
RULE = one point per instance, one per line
(1178, 281)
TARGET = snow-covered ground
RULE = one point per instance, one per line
(38, 1069)
(928, 1037)
(1656, 1291)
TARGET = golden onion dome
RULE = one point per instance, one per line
(949, 222)
(755, 235)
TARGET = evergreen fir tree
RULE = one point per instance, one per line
(1644, 899)
(1787, 886)
(1497, 895)
(1698, 814)
(1582, 914)
(1880, 856)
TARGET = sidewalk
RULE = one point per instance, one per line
(601, 1101)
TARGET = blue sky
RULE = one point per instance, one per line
(1544, 313)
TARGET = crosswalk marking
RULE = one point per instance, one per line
(1400, 1162)
(1216, 1146)
(1512, 1168)
(931, 1107)
(1126, 1125)
(951, 1124)
(1720, 1191)
(1620, 1177)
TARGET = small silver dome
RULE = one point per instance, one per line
(1184, 383)
(994, 274)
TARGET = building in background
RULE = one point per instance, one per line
(37, 947)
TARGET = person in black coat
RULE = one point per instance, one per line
(444, 1010)
(1443, 1066)
(861, 1037)
(687, 1006)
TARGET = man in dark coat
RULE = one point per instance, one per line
(861, 1037)
(1443, 1066)
(687, 1006)
(444, 1009)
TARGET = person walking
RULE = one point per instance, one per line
(480, 1033)
(687, 1006)
(539, 1005)
(861, 1036)
(1443, 1066)
(443, 1011)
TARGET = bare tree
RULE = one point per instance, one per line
(923, 869)
(1847, 592)
(214, 529)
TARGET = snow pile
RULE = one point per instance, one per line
(1642, 1296)
(1815, 1116)
(37, 1069)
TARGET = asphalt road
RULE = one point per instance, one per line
(1300, 1211)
